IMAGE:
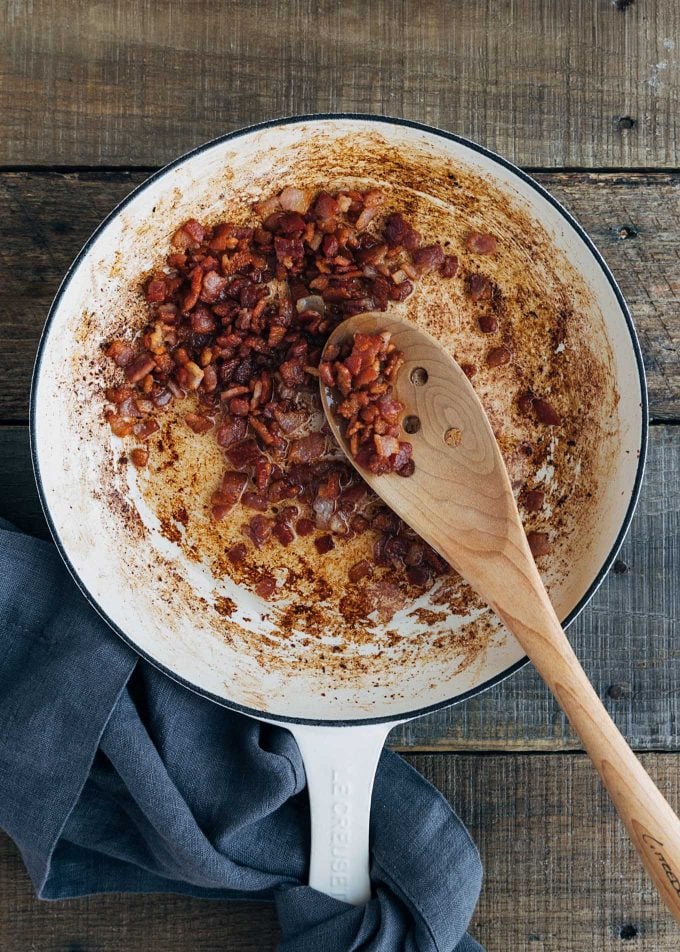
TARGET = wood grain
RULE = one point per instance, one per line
(560, 875)
(634, 219)
(127, 82)
(628, 638)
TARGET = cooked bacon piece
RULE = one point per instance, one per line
(546, 412)
(294, 200)
(229, 493)
(488, 324)
(360, 570)
(365, 371)
(539, 543)
(498, 356)
(266, 586)
(399, 232)
(480, 243)
(324, 544)
(139, 457)
(231, 430)
(140, 367)
(198, 423)
(237, 553)
(259, 529)
(307, 449)
(478, 287)
(533, 499)
(449, 266)
(427, 259)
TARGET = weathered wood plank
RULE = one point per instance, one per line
(628, 638)
(561, 875)
(550, 843)
(162, 923)
(45, 218)
(139, 82)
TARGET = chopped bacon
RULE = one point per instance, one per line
(231, 430)
(364, 371)
(266, 586)
(325, 206)
(307, 449)
(145, 429)
(449, 266)
(255, 501)
(237, 553)
(229, 493)
(533, 499)
(427, 259)
(294, 200)
(259, 529)
(399, 232)
(212, 287)
(283, 533)
(198, 423)
(478, 287)
(139, 368)
(139, 457)
(360, 570)
(156, 289)
(121, 352)
(237, 320)
(539, 543)
(324, 544)
(243, 454)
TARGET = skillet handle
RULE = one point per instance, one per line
(340, 764)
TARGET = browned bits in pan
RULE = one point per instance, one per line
(525, 402)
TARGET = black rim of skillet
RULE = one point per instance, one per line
(388, 120)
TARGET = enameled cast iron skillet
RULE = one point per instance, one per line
(164, 602)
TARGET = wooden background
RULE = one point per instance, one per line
(585, 93)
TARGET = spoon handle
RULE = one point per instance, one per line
(652, 824)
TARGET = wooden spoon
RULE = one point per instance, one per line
(459, 499)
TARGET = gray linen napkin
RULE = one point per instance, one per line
(115, 779)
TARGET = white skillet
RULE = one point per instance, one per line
(141, 583)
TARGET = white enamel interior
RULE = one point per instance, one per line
(73, 449)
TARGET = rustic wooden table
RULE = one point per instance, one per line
(586, 94)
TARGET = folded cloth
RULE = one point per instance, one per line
(113, 778)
